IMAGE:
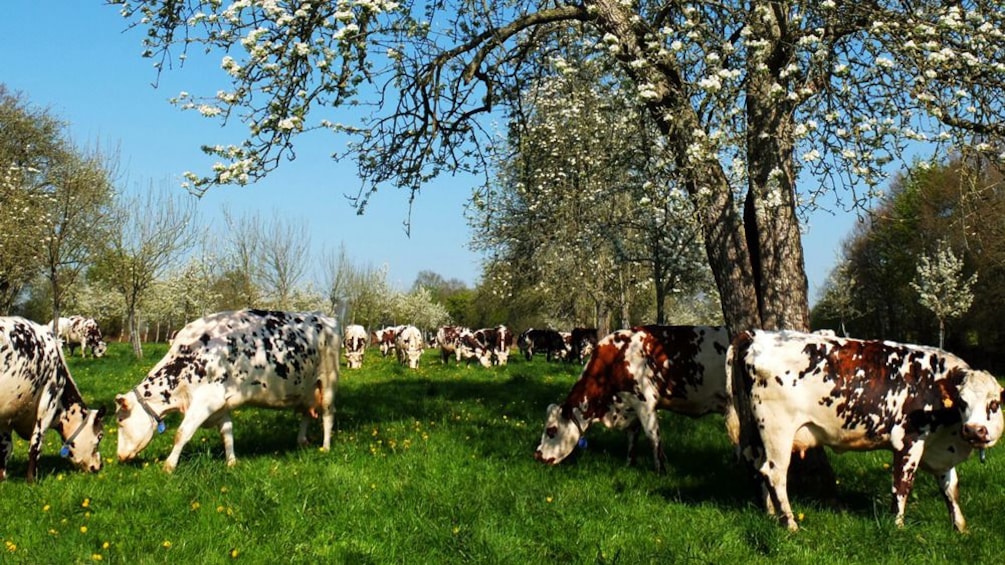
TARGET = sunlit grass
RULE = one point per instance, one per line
(435, 466)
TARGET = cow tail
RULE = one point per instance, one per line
(738, 415)
(329, 345)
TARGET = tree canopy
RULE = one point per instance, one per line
(744, 95)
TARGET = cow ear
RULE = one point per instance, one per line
(122, 403)
(101, 412)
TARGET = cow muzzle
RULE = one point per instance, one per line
(976, 434)
(539, 457)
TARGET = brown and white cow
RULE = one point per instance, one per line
(534, 340)
(630, 375)
(78, 330)
(795, 391)
(459, 342)
(385, 338)
(408, 345)
(229, 359)
(354, 341)
(498, 341)
(36, 393)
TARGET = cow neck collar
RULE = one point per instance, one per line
(65, 450)
(150, 411)
(575, 421)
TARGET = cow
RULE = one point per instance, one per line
(630, 375)
(459, 342)
(385, 339)
(78, 330)
(794, 391)
(581, 343)
(534, 340)
(225, 360)
(36, 393)
(354, 341)
(498, 341)
(408, 346)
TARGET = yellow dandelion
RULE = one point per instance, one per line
(86, 503)
(96, 557)
(801, 516)
(234, 553)
(105, 545)
(195, 505)
(548, 499)
(53, 532)
(83, 529)
(219, 508)
(166, 544)
(11, 546)
(457, 530)
(45, 508)
(224, 489)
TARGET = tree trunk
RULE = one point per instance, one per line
(134, 334)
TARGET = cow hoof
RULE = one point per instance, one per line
(169, 468)
(232, 462)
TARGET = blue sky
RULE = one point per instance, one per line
(77, 58)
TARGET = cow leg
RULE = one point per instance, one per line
(6, 447)
(905, 467)
(951, 493)
(227, 436)
(633, 438)
(774, 469)
(198, 412)
(650, 422)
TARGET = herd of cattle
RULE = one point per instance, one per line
(781, 393)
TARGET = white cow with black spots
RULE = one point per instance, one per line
(36, 393)
(78, 330)
(229, 359)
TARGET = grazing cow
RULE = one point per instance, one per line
(581, 343)
(459, 342)
(408, 346)
(498, 341)
(631, 374)
(385, 338)
(36, 393)
(548, 341)
(795, 391)
(355, 345)
(226, 360)
(76, 330)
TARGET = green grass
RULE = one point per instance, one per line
(435, 466)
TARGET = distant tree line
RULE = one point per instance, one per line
(926, 265)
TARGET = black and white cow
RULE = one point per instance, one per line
(630, 375)
(78, 330)
(581, 343)
(354, 341)
(534, 340)
(795, 391)
(36, 393)
(225, 360)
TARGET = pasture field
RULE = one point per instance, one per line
(435, 466)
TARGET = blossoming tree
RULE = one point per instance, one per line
(744, 94)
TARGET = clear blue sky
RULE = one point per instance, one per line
(76, 58)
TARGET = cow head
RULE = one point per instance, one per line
(99, 348)
(137, 423)
(979, 399)
(83, 431)
(561, 435)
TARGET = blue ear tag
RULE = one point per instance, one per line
(65, 451)
(581, 443)
(160, 427)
